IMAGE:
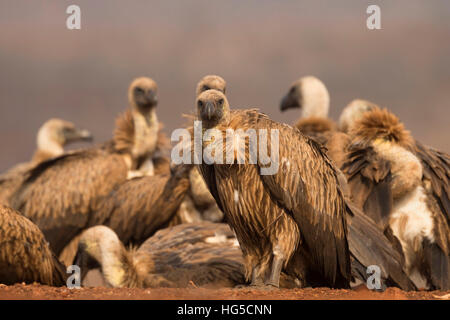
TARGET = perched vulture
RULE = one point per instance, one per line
(203, 254)
(403, 186)
(293, 219)
(140, 133)
(25, 255)
(60, 195)
(51, 139)
(199, 204)
(311, 96)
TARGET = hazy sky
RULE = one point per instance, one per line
(260, 47)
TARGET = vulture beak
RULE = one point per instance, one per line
(78, 135)
(151, 98)
(289, 102)
(208, 111)
(80, 262)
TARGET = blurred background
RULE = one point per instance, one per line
(259, 46)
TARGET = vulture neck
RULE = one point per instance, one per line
(46, 147)
(315, 105)
(146, 127)
(112, 259)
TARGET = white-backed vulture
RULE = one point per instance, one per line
(61, 194)
(403, 186)
(294, 219)
(52, 137)
(312, 97)
(25, 255)
(203, 254)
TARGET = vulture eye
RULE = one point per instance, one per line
(138, 90)
(200, 104)
(205, 87)
(220, 101)
(292, 90)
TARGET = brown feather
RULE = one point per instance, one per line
(25, 255)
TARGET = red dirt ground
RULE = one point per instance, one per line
(36, 291)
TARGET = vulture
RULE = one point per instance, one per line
(199, 204)
(403, 186)
(203, 254)
(293, 219)
(60, 195)
(53, 135)
(312, 97)
(25, 255)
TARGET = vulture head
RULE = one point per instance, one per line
(56, 133)
(353, 112)
(100, 248)
(211, 82)
(142, 94)
(310, 95)
(212, 108)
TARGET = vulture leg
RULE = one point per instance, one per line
(277, 264)
(257, 279)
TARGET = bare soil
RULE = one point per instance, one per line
(37, 291)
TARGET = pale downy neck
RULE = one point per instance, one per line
(112, 259)
(315, 104)
(146, 132)
(47, 147)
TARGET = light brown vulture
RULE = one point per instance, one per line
(52, 137)
(403, 186)
(25, 255)
(61, 194)
(296, 218)
(203, 254)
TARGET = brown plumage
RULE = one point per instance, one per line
(302, 228)
(403, 186)
(138, 208)
(25, 255)
(52, 137)
(61, 194)
(203, 254)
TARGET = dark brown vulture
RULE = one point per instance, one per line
(403, 186)
(53, 135)
(294, 218)
(25, 255)
(61, 194)
(203, 254)
(311, 96)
